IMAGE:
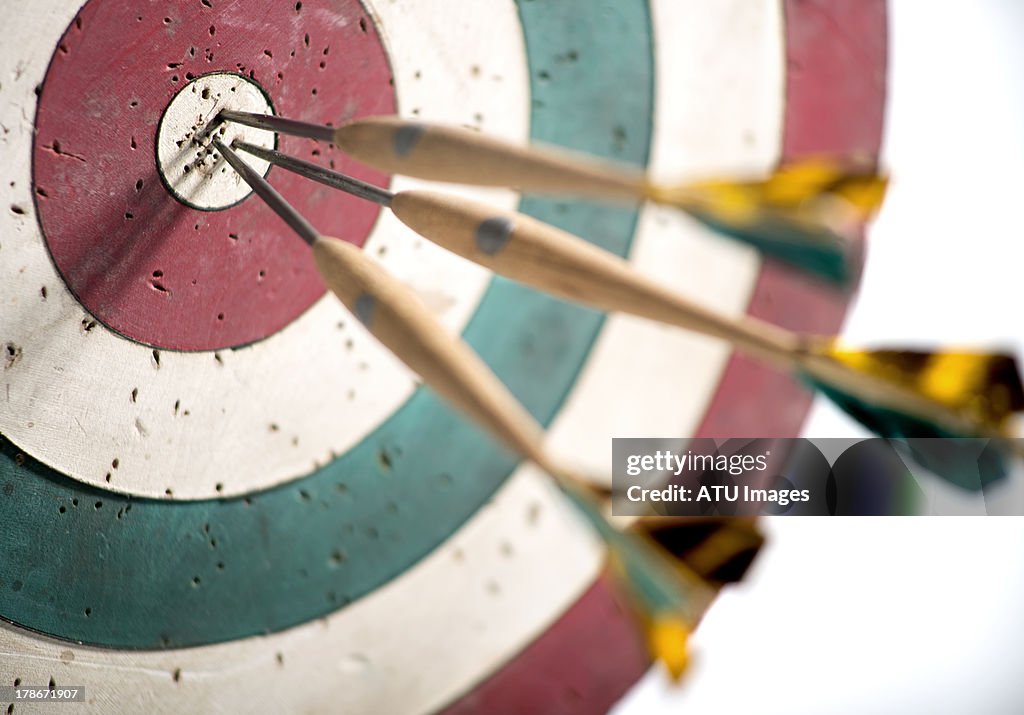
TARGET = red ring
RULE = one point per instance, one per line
(139, 261)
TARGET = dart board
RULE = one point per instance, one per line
(216, 488)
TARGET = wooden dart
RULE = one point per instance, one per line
(808, 214)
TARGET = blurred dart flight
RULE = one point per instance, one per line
(718, 549)
(897, 394)
(665, 596)
(808, 214)
(976, 395)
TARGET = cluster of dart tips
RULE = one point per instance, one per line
(808, 214)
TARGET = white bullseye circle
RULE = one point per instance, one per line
(196, 175)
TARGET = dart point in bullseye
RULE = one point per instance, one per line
(265, 191)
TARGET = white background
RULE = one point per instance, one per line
(901, 615)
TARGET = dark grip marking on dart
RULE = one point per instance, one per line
(365, 309)
(406, 138)
(493, 234)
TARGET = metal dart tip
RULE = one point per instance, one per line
(269, 194)
(281, 125)
(325, 176)
(200, 136)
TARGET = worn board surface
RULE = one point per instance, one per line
(293, 523)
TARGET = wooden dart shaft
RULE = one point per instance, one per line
(454, 154)
(540, 255)
(397, 318)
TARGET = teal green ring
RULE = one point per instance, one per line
(160, 574)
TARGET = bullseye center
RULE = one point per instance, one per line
(193, 172)
(148, 233)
